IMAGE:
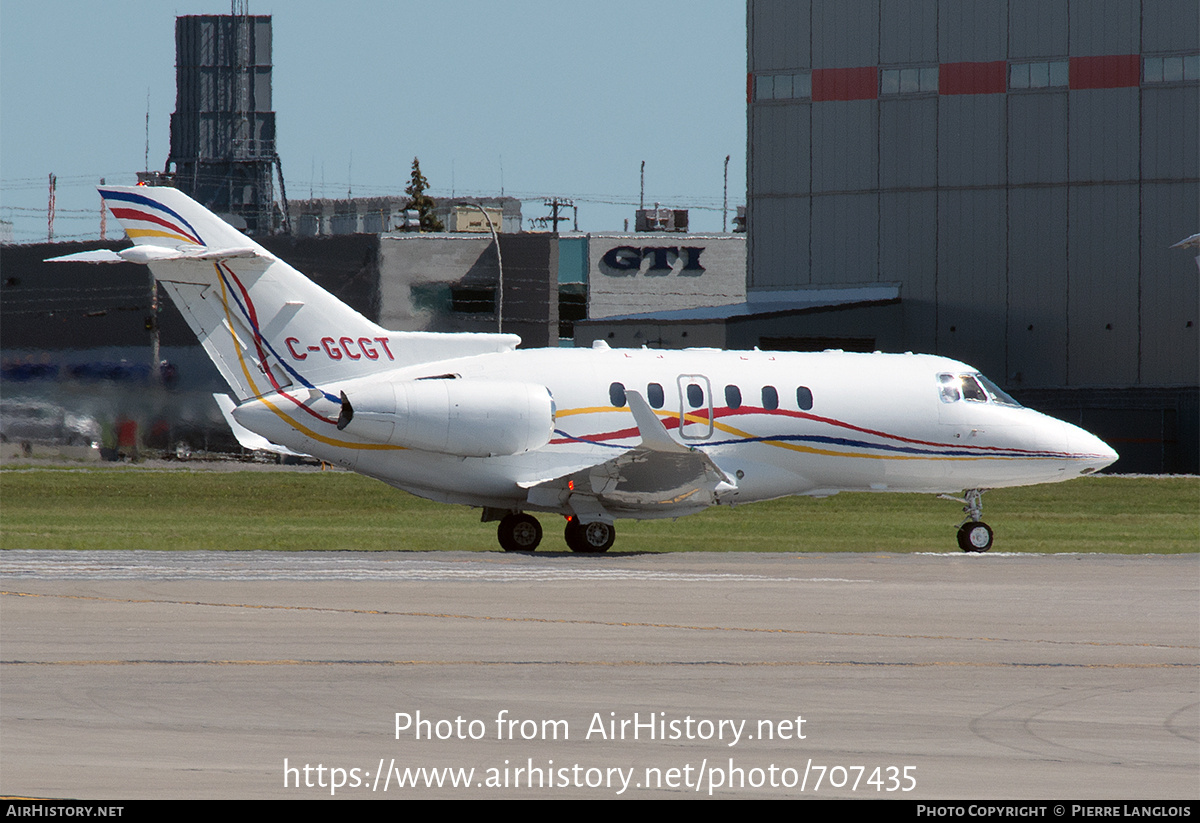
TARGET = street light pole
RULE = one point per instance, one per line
(499, 267)
(725, 198)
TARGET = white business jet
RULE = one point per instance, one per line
(592, 434)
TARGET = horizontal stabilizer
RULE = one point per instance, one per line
(148, 254)
(97, 256)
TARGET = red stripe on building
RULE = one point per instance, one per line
(973, 78)
(1110, 71)
(860, 83)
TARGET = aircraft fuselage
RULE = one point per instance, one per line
(776, 424)
(594, 434)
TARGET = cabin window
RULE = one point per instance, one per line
(616, 395)
(733, 397)
(695, 395)
(770, 398)
(654, 393)
(803, 398)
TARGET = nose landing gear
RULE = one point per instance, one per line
(973, 534)
(975, 537)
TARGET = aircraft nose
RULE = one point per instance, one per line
(1092, 453)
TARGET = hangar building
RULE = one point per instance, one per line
(1020, 167)
(998, 181)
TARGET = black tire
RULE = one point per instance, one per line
(592, 538)
(519, 533)
(975, 537)
(573, 534)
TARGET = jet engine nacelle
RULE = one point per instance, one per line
(469, 418)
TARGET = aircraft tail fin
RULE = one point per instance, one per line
(266, 327)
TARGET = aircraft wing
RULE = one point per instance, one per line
(659, 473)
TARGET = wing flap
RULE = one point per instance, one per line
(658, 473)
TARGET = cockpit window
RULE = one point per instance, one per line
(997, 394)
(972, 387)
(948, 387)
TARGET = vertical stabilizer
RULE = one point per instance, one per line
(267, 327)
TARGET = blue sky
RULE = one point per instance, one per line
(542, 98)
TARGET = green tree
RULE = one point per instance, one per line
(421, 202)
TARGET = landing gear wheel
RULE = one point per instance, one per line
(592, 538)
(519, 533)
(975, 536)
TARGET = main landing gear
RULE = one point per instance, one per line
(973, 534)
(589, 538)
(520, 532)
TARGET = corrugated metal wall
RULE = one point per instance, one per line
(1030, 225)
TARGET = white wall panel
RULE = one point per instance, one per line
(1170, 285)
(908, 147)
(1103, 285)
(1104, 134)
(972, 274)
(1037, 28)
(1037, 288)
(971, 140)
(908, 31)
(845, 232)
(845, 34)
(1037, 137)
(845, 139)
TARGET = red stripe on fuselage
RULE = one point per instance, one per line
(702, 415)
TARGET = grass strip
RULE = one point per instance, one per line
(132, 508)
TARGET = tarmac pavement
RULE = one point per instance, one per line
(269, 675)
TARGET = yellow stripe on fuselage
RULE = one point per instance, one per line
(727, 429)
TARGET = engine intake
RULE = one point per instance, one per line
(465, 417)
